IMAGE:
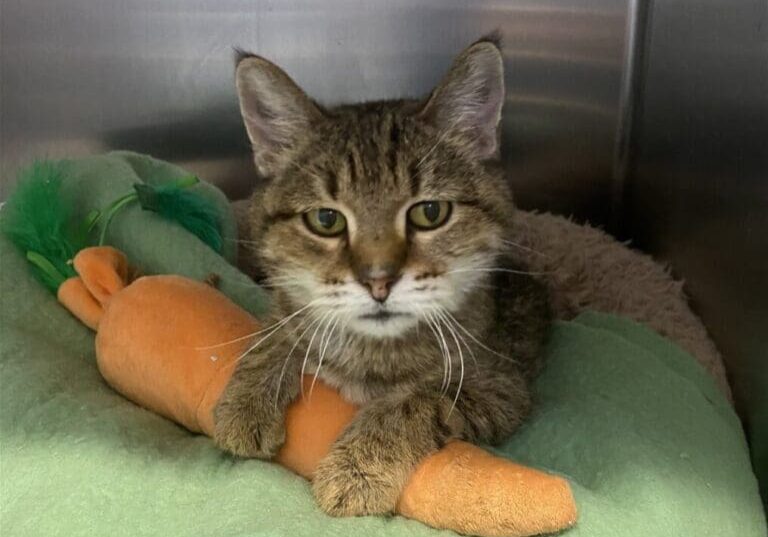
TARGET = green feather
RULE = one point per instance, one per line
(37, 221)
(192, 210)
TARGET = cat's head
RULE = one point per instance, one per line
(379, 214)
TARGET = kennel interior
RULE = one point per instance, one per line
(647, 118)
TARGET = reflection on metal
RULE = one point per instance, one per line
(81, 77)
(630, 98)
(697, 190)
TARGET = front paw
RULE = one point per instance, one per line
(248, 430)
(346, 485)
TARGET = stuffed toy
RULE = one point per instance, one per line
(170, 344)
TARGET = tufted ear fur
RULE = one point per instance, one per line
(276, 112)
(466, 105)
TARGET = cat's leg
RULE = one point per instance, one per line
(249, 418)
(369, 464)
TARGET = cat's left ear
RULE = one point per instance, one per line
(466, 105)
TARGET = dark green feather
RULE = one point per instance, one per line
(36, 219)
(177, 202)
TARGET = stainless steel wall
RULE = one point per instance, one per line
(83, 76)
(697, 188)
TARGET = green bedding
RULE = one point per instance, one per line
(649, 443)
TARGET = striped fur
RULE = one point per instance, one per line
(466, 323)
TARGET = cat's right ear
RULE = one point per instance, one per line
(276, 112)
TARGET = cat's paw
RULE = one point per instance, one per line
(253, 431)
(344, 485)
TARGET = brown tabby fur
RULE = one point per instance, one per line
(457, 360)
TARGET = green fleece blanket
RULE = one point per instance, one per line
(650, 445)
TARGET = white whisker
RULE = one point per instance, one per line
(430, 324)
(440, 311)
(473, 338)
(309, 348)
(446, 356)
(323, 351)
(281, 322)
(447, 350)
(290, 353)
(510, 271)
(461, 363)
(524, 248)
(343, 341)
(263, 339)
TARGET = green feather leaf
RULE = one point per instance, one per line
(176, 202)
(36, 219)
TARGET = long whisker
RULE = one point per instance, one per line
(322, 353)
(461, 364)
(524, 248)
(322, 344)
(473, 338)
(447, 350)
(325, 338)
(281, 322)
(490, 269)
(290, 353)
(309, 348)
(344, 338)
(260, 341)
(440, 311)
(295, 329)
(446, 355)
(264, 338)
(431, 326)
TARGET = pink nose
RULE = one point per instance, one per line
(380, 287)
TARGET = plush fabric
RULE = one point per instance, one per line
(158, 246)
(178, 365)
(649, 442)
(587, 269)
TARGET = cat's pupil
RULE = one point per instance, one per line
(432, 211)
(326, 218)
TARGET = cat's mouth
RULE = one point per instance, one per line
(383, 322)
(382, 315)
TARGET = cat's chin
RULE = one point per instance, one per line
(383, 324)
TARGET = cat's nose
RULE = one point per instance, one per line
(380, 287)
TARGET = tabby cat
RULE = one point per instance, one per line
(380, 228)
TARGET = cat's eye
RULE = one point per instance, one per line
(325, 222)
(429, 214)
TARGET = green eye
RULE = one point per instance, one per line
(429, 214)
(325, 222)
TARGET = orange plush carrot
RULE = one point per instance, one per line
(159, 341)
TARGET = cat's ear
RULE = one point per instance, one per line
(276, 112)
(467, 103)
